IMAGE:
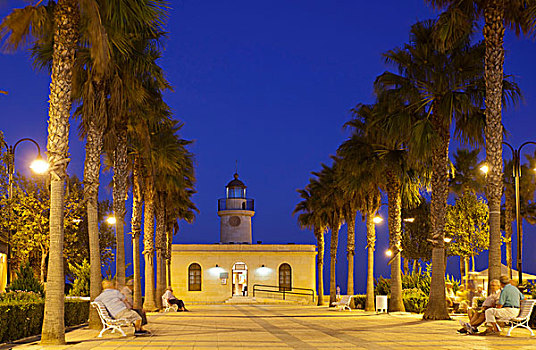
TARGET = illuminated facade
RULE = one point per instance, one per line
(230, 270)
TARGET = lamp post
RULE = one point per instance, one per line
(39, 166)
(516, 170)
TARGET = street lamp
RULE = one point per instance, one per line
(516, 170)
(39, 166)
(111, 220)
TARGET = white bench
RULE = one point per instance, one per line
(108, 322)
(344, 303)
(169, 307)
(523, 318)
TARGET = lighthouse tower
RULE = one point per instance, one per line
(235, 212)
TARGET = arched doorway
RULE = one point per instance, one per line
(240, 279)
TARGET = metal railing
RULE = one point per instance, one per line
(283, 291)
(236, 204)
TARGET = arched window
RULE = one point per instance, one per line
(285, 277)
(194, 277)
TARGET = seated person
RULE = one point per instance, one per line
(171, 299)
(449, 293)
(462, 298)
(127, 292)
(114, 301)
(507, 307)
(476, 318)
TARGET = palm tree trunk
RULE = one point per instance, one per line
(394, 196)
(437, 308)
(414, 267)
(137, 199)
(350, 251)
(160, 248)
(43, 265)
(319, 234)
(120, 187)
(148, 245)
(169, 244)
(333, 262)
(493, 72)
(371, 242)
(508, 219)
(463, 270)
(66, 18)
(91, 196)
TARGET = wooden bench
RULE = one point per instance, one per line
(523, 318)
(169, 307)
(344, 303)
(108, 322)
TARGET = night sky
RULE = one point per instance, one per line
(270, 85)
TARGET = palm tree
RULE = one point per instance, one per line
(314, 217)
(454, 24)
(331, 199)
(440, 89)
(466, 175)
(360, 176)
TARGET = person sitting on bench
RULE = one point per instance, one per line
(114, 301)
(171, 299)
(507, 307)
(476, 318)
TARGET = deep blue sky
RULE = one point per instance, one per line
(268, 84)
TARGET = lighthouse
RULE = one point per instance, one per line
(235, 212)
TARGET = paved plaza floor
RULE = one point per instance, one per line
(291, 327)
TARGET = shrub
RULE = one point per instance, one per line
(359, 301)
(81, 282)
(19, 295)
(26, 281)
(382, 286)
(20, 319)
(414, 301)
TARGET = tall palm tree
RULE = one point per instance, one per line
(441, 89)
(313, 217)
(360, 176)
(332, 200)
(467, 175)
(454, 24)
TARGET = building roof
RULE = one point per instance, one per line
(236, 183)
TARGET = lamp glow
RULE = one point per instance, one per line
(409, 219)
(377, 219)
(264, 271)
(389, 252)
(39, 166)
(484, 168)
(111, 220)
(447, 239)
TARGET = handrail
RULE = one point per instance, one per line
(284, 291)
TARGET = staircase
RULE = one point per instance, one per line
(239, 299)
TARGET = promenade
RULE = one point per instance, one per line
(291, 327)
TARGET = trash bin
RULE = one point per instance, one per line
(381, 303)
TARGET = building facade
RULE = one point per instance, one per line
(236, 268)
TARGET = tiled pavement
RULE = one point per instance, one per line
(284, 327)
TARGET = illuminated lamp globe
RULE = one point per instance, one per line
(39, 165)
(377, 219)
(484, 168)
(389, 252)
(111, 220)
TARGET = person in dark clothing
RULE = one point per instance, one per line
(171, 299)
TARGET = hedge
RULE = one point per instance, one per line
(23, 319)
(412, 303)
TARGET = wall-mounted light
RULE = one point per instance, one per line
(217, 265)
(262, 265)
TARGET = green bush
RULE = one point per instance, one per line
(414, 301)
(26, 281)
(382, 286)
(18, 295)
(20, 319)
(81, 282)
(359, 301)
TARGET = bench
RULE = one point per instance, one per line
(523, 318)
(108, 322)
(169, 307)
(344, 303)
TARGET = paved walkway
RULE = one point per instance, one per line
(284, 327)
